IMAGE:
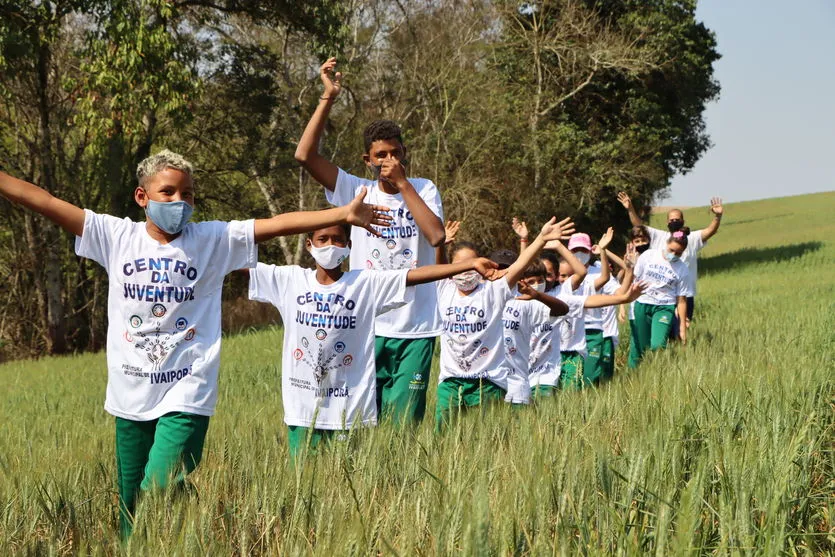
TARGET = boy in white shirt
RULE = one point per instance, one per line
(163, 337)
(405, 336)
(327, 369)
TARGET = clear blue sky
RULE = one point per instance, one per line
(773, 127)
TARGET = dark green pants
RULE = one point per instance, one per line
(652, 328)
(571, 371)
(456, 394)
(633, 345)
(300, 439)
(403, 367)
(156, 454)
(593, 362)
(607, 359)
(542, 391)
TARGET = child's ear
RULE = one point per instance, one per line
(140, 196)
(308, 244)
(366, 158)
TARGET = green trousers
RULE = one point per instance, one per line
(457, 394)
(607, 359)
(403, 367)
(300, 439)
(593, 362)
(571, 371)
(633, 359)
(542, 391)
(155, 454)
(652, 328)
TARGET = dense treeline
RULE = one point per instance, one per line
(528, 109)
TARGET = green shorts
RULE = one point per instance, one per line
(456, 394)
(403, 367)
(571, 371)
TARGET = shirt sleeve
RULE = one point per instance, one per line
(500, 289)
(657, 237)
(683, 287)
(611, 287)
(390, 290)
(237, 247)
(432, 197)
(269, 284)
(345, 189)
(695, 242)
(97, 237)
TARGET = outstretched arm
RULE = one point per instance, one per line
(600, 250)
(713, 227)
(307, 151)
(557, 306)
(66, 215)
(552, 230)
(431, 273)
(355, 213)
(627, 204)
(603, 300)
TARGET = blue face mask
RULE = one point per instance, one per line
(169, 216)
(671, 257)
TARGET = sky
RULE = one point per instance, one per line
(773, 126)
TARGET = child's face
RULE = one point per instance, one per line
(565, 272)
(330, 236)
(164, 186)
(550, 272)
(534, 280)
(463, 254)
(676, 248)
(383, 150)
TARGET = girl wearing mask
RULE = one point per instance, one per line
(472, 353)
(667, 279)
(327, 368)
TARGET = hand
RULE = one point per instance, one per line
(451, 229)
(716, 206)
(393, 172)
(520, 228)
(527, 292)
(364, 215)
(605, 240)
(631, 256)
(553, 230)
(636, 290)
(333, 85)
(497, 274)
(622, 314)
(485, 267)
(552, 245)
(624, 200)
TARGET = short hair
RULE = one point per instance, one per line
(381, 129)
(157, 163)
(550, 256)
(535, 269)
(638, 232)
(680, 236)
(458, 246)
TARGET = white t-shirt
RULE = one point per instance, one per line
(163, 311)
(327, 367)
(658, 240)
(573, 327)
(402, 246)
(610, 313)
(665, 280)
(471, 342)
(519, 320)
(545, 357)
(593, 316)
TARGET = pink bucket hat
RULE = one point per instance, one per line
(579, 240)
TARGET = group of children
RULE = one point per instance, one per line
(358, 344)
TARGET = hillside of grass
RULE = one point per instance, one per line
(723, 446)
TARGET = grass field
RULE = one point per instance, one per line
(724, 446)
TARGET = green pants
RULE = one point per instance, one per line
(633, 345)
(593, 362)
(156, 454)
(542, 391)
(456, 394)
(403, 367)
(652, 328)
(607, 359)
(300, 439)
(571, 370)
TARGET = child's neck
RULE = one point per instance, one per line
(328, 276)
(159, 234)
(388, 187)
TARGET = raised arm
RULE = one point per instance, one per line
(66, 215)
(307, 152)
(600, 250)
(624, 199)
(551, 230)
(521, 230)
(578, 268)
(618, 262)
(451, 230)
(431, 273)
(713, 227)
(557, 306)
(628, 265)
(356, 213)
(430, 225)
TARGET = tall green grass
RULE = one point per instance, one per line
(723, 446)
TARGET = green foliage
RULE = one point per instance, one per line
(723, 446)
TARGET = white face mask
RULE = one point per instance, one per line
(539, 287)
(582, 256)
(467, 280)
(329, 257)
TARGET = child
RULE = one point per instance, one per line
(328, 378)
(638, 244)
(471, 345)
(163, 336)
(667, 279)
(405, 336)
